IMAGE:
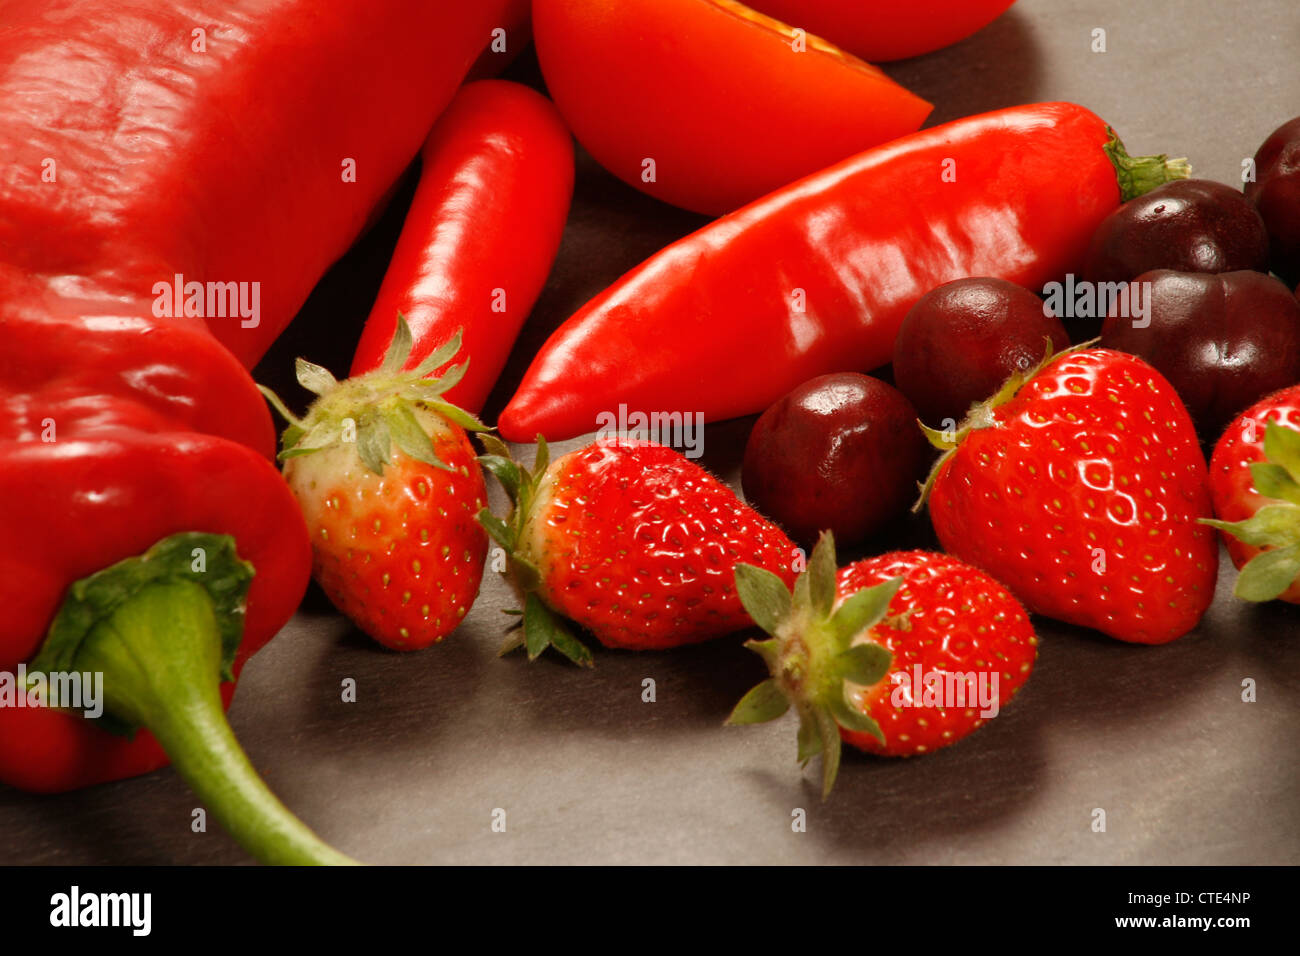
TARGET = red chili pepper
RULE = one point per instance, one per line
(481, 234)
(884, 30)
(223, 143)
(818, 276)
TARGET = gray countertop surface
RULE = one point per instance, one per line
(588, 772)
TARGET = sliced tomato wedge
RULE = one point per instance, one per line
(707, 104)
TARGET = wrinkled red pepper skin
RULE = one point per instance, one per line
(225, 164)
(713, 322)
(487, 215)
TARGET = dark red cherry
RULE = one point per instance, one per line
(1275, 192)
(841, 452)
(1189, 225)
(1223, 341)
(961, 341)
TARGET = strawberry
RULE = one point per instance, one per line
(1255, 487)
(1080, 485)
(898, 655)
(395, 541)
(630, 540)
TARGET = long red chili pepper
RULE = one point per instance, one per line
(481, 234)
(213, 141)
(818, 276)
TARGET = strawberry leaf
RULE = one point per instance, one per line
(570, 646)
(864, 664)
(1272, 526)
(506, 472)
(296, 453)
(543, 458)
(514, 640)
(314, 378)
(399, 349)
(493, 445)
(764, 596)
(862, 610)
(537, 626)
(456, 414)
(288, 416)
(810, 742)
(821, 575)
(769, 650)
(763, 703)
(1273, 481)
(1268, 574)
(543, 629)
(1282, 446)
(829, 732)
(291, 436)
(439, 356)
(497, 529)
(527, 574)
(373, 444)
(850, 718)
(410, 435)
(436, 386)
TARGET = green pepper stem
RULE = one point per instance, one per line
(160, 652)
(1138, 175)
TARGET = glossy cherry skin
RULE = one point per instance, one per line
(1223, 341)
(1276, 194)
(1190, 225)
(842, 452)
(962, 340)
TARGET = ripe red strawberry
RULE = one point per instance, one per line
(632, 541)
(897, 655)
(1080, 488)
(1255, 487)
(396, 544)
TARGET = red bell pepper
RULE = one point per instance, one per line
(818, 276)
(481, 234)
(884, 30)
(220, 142)
(129, 479)
(145, 534)
(707, 104)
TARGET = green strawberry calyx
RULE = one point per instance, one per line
(377, 410)
(539, 627)
(814, 655)
(1275, 527)
(981, 415)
